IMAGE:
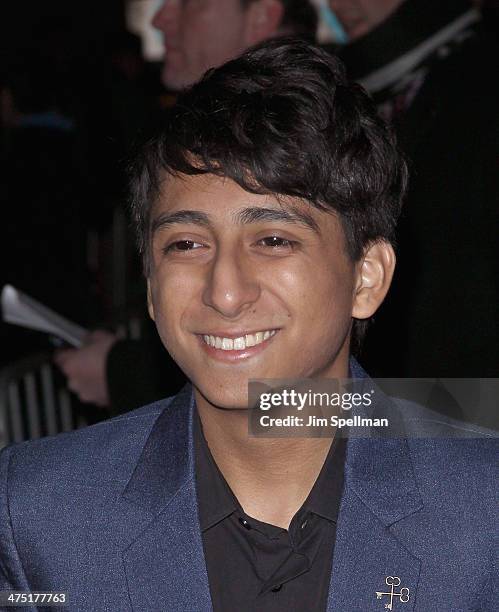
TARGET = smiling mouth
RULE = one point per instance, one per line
(240, 343)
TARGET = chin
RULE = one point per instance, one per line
(171, 78)
(225, 398)
(175, 79)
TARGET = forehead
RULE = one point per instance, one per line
(223, 199)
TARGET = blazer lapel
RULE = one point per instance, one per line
(163, 557)
(370, 559)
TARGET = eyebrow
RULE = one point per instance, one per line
(256, 214)
(252, 214)
(180, 217)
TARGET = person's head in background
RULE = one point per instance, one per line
(358, 17)
(202, 34)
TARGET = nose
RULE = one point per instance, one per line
(232, 286)
(165, 15)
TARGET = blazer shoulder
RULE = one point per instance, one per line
(422, 422)
(442, 449)
(460, 454)
(104, 452)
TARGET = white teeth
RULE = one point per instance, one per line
(227, 344)
(238, 344)
(250, 340)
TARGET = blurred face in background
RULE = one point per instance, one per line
(201, 34)
(359, 17)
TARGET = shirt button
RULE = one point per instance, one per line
(276, 589)
(245, 523)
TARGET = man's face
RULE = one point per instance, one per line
(200, 34)
(359, 17)
(227, 265)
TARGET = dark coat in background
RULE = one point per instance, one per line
(440, 318)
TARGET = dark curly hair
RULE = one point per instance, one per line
(281, 119)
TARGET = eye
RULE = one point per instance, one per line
(276, 242)
(182, 245)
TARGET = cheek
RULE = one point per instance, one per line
(319, 304)
(199, 30)
(319, 289)
(171, 295)
(208, 40)
(164, 311)
(336, 295)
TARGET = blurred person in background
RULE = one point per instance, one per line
(201, 35)
(123, 374)
(432, 69)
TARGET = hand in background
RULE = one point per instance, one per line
(85, 367)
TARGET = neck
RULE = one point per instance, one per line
(271, 478)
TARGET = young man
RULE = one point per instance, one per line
(265, 211)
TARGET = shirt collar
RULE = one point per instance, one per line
(325, 497)
(215, 499)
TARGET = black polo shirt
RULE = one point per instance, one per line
(257, 567)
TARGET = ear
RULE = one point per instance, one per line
(374, 276)
(150, 306)
(263, 20)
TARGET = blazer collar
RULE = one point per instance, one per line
(381, 473)
(161, 545)
(380, 491)
(167, 460)
(378, 465)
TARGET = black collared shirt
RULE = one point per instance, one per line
(257, 567)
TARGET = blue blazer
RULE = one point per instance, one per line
(109, 514)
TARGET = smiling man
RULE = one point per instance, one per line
(247, 302)
(264, 210)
